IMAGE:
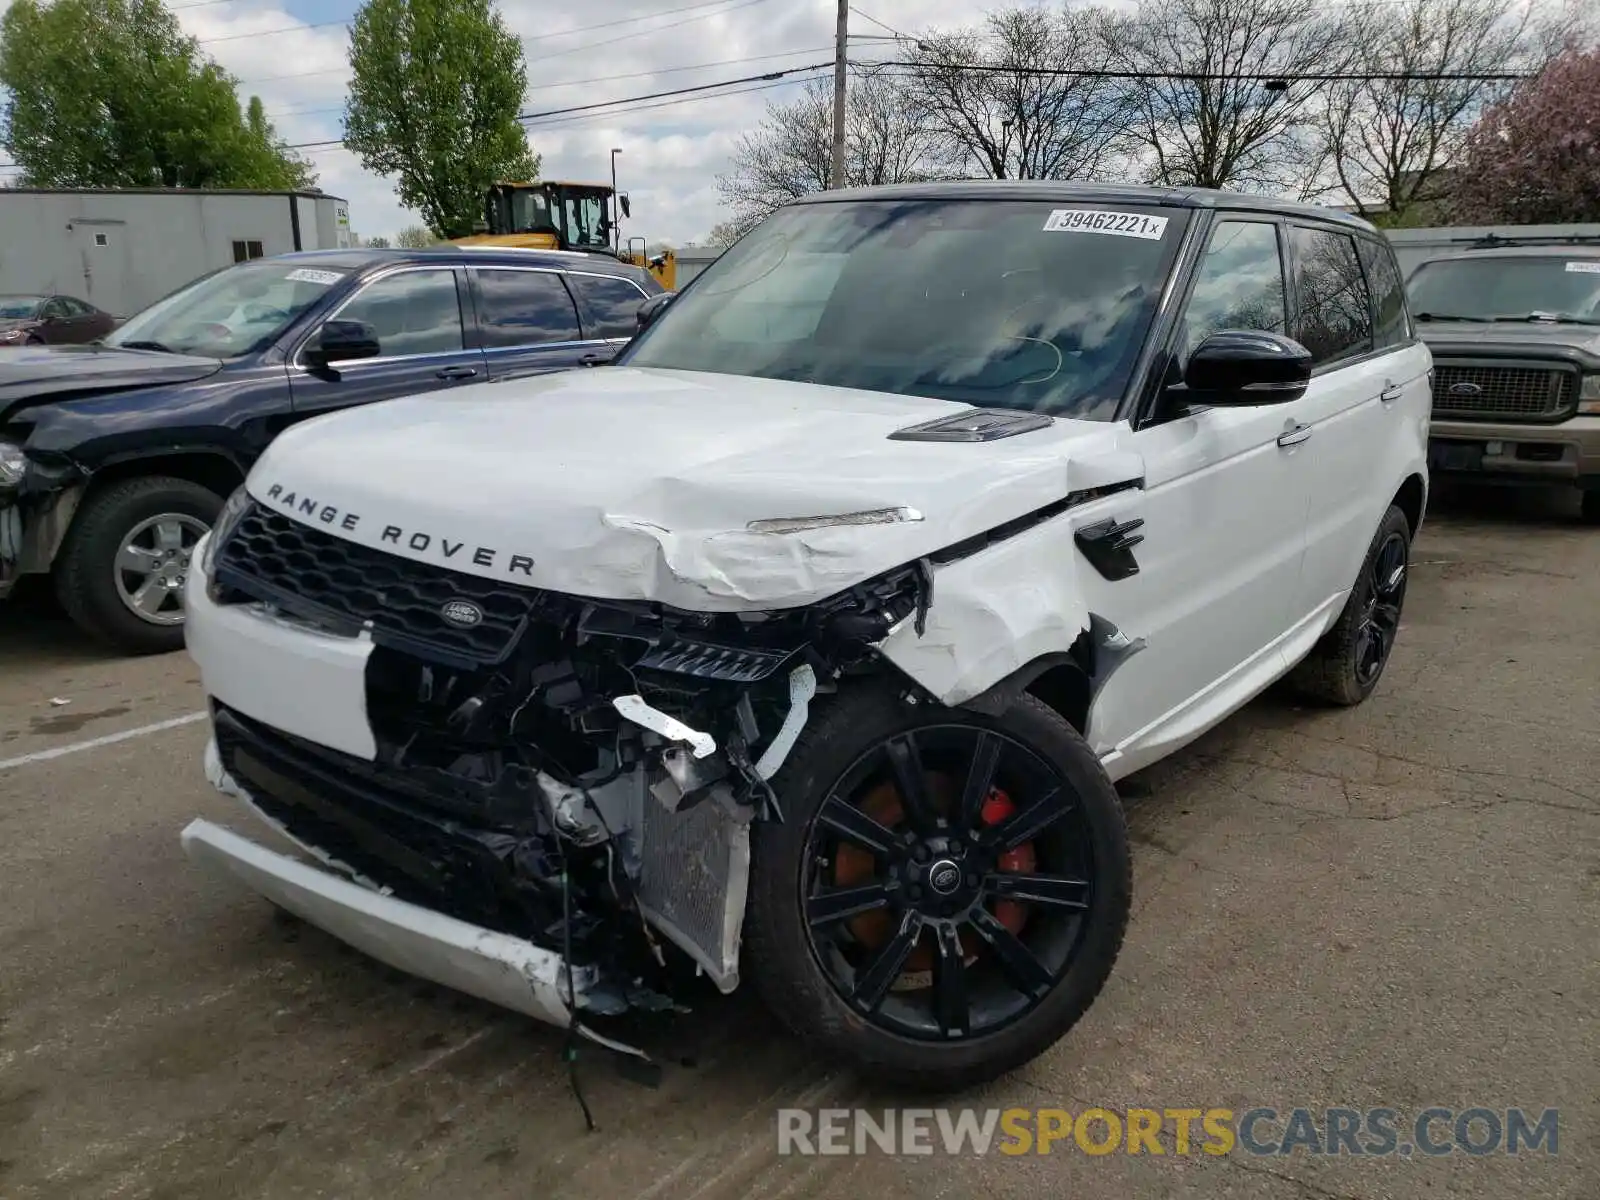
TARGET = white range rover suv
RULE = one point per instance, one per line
(805, 643)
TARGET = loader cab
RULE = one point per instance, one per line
(549, 215)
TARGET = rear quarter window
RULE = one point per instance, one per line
(1392, 319)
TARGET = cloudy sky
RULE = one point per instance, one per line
(292, 54)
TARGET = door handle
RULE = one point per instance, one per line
(1294, 435)
(1391, 392)
(594, 360)
(456, 373)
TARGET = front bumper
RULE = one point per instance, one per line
(1501, 452)
(503, 970)
(310, 685)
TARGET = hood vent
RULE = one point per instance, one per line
(974, 425)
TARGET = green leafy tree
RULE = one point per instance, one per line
(110, 93)
(415, 237)
(378, 243)
(433, 103)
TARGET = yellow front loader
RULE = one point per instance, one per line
(552, 215)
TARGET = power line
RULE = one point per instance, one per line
(568, 122)
(239, 37)
(1223, 76)
(543, 37)
(645, 32)
(546, 87)
(626, 100)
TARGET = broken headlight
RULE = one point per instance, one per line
(13, 462)
(232, 512)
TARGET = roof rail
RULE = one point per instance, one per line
(1493, 241)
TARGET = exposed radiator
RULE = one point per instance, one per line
(693, 882)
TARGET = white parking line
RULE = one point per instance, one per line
(95, 743)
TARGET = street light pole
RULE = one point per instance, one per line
(616, 212)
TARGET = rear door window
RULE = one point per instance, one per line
(611, 305)
(1334, 309)
(1393, 326)
(524, 308)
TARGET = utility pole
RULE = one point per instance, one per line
(841, 37)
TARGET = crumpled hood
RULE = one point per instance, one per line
(31, 375)
(621, 483)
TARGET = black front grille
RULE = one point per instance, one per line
(318, 576)
(1487, 393)
(373, 821)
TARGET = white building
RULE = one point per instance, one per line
(122, 249)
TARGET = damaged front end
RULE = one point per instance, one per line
(579, 774)
(37, 504)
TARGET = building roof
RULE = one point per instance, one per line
(1067, 191)
(155, 191)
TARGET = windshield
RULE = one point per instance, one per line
(999, 304)
(239, 310)
(15, 308)
(1499, 288)
(586, 222)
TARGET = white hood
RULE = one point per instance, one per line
(630, 484)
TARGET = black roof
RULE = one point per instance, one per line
(360, 258)
(1068, 191)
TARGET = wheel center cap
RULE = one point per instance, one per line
(944, 877)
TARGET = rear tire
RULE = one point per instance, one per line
(796, 954)
(110, 530)
(1590, 506)
(1345, 666)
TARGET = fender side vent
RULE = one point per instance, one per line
(974, 425)
(1108, 545)
(1019, 525)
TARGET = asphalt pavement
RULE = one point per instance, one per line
(1396, 906)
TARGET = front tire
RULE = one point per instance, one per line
(121, 571)
(1589, 506)
(946, 892)
(1345, 666)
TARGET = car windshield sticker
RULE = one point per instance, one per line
(1094, 220)
(1591, 267)
(303, 275)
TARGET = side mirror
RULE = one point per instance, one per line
(340, 341)
(650, 309)
(1247, 367)
(623, 201)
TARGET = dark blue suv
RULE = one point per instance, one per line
(115, 457)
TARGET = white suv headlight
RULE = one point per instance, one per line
(235, 508)
(13, 462)
(1589, 396)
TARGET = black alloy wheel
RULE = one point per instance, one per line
(947, 892)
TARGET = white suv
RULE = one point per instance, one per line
(810, 638)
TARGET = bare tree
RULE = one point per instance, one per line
(1006, 102)
(1390, 141)
(1224, 101)
(789, 154)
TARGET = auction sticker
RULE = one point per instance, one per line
(1592, 267)
(1096, 220)
(305, 275)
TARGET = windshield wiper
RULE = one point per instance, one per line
(1548, 318)
(138, 344)
(1427, 316)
